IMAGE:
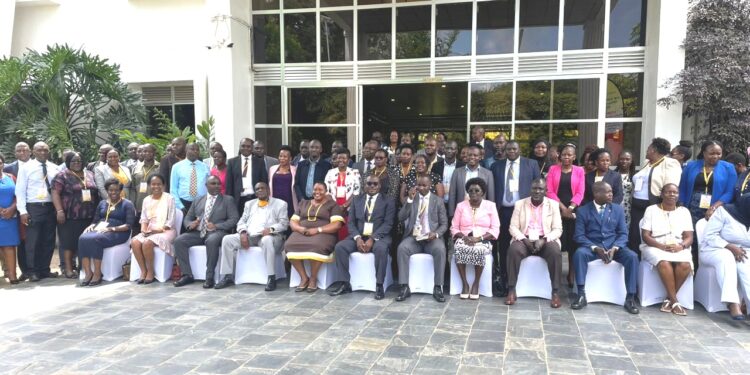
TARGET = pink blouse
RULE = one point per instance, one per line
(222, 175)
(577, 182)
(486, 218)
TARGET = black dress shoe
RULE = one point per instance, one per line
(23, 277)
(34, 278)
(631, 307)
(579, 303)
(271, 283)
(437, 294)
(49, 275)
(379, 292)
(341, 288)
(209, 283)
(403, 294)
(184, 280)
(96, 282)
(225, 282)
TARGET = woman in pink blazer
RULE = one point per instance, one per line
(281, 180)
(566, 184)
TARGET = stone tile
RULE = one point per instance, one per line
(438, 363)
(477, 346)
(268, 361)
(612, 363)
(569, 367)
(566, 352)
(218, 366)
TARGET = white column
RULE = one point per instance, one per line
(666, 27)
(7, 16)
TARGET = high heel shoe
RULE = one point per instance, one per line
(96, 282)
(14, 282)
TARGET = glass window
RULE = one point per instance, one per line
(627, 23)
(184, 116)
(413, 26)
(267, 104)
(575, 99)
(492, 101)
(336, 36)
(299, 37)
(330, 105)
(453, 30)
(556, 134)
(623, 136)
(335, 3)
(539, 25)
(296, 4)
(583, 24)
(624, 95)
(266, 40)
(533, 101)
(326, 136)
(265, 4)
(374, 35)
(271, 138)
(370, 2)
(495, 26)
(492, 131)
(153, 124)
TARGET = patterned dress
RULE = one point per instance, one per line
(158, 214)
(627, 196)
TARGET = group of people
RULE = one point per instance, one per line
(483, 205)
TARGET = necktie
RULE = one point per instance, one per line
(509, 176)
(244, 169)
(601, 210)
(206, 215)
(424, 220)
(367, 167)
(310, 180)
(368, 207)
(193, 182)
(44, 173)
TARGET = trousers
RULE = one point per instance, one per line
(40, 237)
(624, 256)
(410, 246)
(551, 254)
(728, 273)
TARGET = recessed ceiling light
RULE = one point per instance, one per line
(408, 108)
(420, 114)
(393, 99)
(443, 86)
(462, 105)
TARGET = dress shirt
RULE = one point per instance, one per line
(180, 181)
(247, 160)
(448, 170)
(262, 218)
(471, 173)
(311, 177)
(30, 184)
(130, 163)
(426, 222)
(642, 175)
(535, 223)
(371, 202)
(516, 176)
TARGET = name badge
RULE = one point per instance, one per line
(367, 230)
(142, 187)
(598, 178)
(340, 191)
(101, 226)
(86, 195)
(533, 235)
(705, 202)
(639, 184)
(513, 185)
(41, 194)
(247, 183)
(446, 188)
(477, 232)
(417, 231)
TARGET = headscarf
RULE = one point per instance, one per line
(740, 209)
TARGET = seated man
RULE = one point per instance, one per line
(601, 233)
(536, 226)
(264, 221)
(207, 221)
(371, 218)
(426, 222)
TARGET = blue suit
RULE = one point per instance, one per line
(724, 177)
(606, 231)
(303, 169)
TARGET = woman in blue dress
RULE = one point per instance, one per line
(9, 238)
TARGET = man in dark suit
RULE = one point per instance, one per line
(513, 177)
(368, 154)
(23, 154)
(472, 169)
(179, 152)
(209, 219)
(371, 218)
(498, 145)
(477, 138)
(103, 151)
(243, 172)
(310, 171)
(602, 234)
(425, 223)
(259, 151)
(304, 152)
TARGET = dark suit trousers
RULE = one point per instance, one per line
(410, 246)
(503, 243)
(348, 246)
(193, 238)
(40, 237)
(624, 256)
(551, 254)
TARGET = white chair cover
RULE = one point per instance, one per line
(533, 278)
(606, 282)
(421, 273)
(250, 267)
(362, 272)
(485, 281)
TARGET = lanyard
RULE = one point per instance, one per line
(110, 207)
(474, 217)
(658, 162)
(341, 181)
(147, 171)
(310, 218)
(380, 173)
(83, 180)
(405, 172)
(707, 178)
(667, 218)
(744, 183)
(369, 207)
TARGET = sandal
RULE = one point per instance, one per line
(302, 286)
(313, 288)
(71, 275)
(666, 306)
(677, 309)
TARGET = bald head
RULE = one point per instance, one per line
(23, 151)
(602, 192)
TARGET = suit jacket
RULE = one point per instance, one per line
(383, 215)
(577, 182)
(457, 191)
(103, 173)
(278, 219)
(439, 167)
(551, 219)
(360, 165)
(165, 169)
(270, 162)
(224, 215)
(605, 231)
(528, 170)
(668, 171)
(300, 182)
(489, 148)
(724, 177)
(11, 168)
(234, 175)
(435, 212)
(612, 178)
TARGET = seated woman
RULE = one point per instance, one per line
(419, 170)
(157, 217)
(475, 225)
(111, 226)
(314, 225)
(726, 241)
(667, 232)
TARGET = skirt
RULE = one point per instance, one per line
(162, 240)
(653, 256)
(70, 231)
(472, 255)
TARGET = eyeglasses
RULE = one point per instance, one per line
(475, 191)
(371, 183)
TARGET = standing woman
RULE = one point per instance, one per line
(392, 147)
(113, 219)
(420, 170)
(75, 197)
(112, 169)
(220, 168)
(539, 153)
(9, 237)
(602, 160)
(139, 188)
(626, 169)
(389, 180)
(405, 163)
(342, 183)
(157, 218)
(566, 184)
(281, 181)
(683, 152)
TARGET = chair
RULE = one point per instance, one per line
(485, 282)
(112, 261)
(362, 271)
(163, 262)
(421, 273)
(325, 274)
(606, 282)
(198, 258)
(250, 267)
(533, 278)
(707, 288)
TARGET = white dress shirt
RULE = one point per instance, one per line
(30, 185)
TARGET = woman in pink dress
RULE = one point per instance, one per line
(220, 168)
(157, 218)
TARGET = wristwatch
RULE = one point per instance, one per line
(320, 230)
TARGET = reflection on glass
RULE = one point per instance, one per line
(539, 21)
(556, 134)
(413, 32)
(623, 136)
(492, 131)
(153, 126)
(627, 21)
(492, 101)
(296, 4)
(335, 3)
(271, 138)
(266, 41)
(533, 100)
(624, 95)
(265, 4)
(453, 30)
(267, 101)
(299, 37)
(374, 35)
(330, 105)
(326, 136)
(184, 116)
(495, 25)
(583, 24)
(336, 36)
(575, 99)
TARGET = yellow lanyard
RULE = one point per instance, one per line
(744, 183)
(369, 207)
(110, 207)
(147, 171)
(423, 206)
(83, 180)
(474, 217)
(707, 178)
(658, 162)
(380, 173)
(311, 218)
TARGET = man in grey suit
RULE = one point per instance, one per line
(259, 151)
(265, 229)
(368, 154)
(426, 222)
(208, 220)
(472, 169)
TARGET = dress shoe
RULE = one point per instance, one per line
(184, 280)
(631, 307)
(579, 303)
(96, 282)
(437, 294)
(341, 288)
(23, 277)
(271, 284)
(555, 302)
(209, 283)
(34, 278)
(225, 282)
(379, 292)
(403, 294)
(49, 275)
(511, 298)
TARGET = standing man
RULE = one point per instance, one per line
(368, 154)
(513, 177)
(447, 166)
(34, 203)
(139, 188)
(212, 147)
(378, 137)
(370, 221)
(132, 156)
(168, 161)
(243, 172)
(335, 146)
(263, 223)
(477, 138)
(23, 155)
(259, 151)
(206, 223)
(461, 175)
(188, 179)
(304, 152)
(499, 147)
(310, 171)
(430, 150)
(103, 151)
